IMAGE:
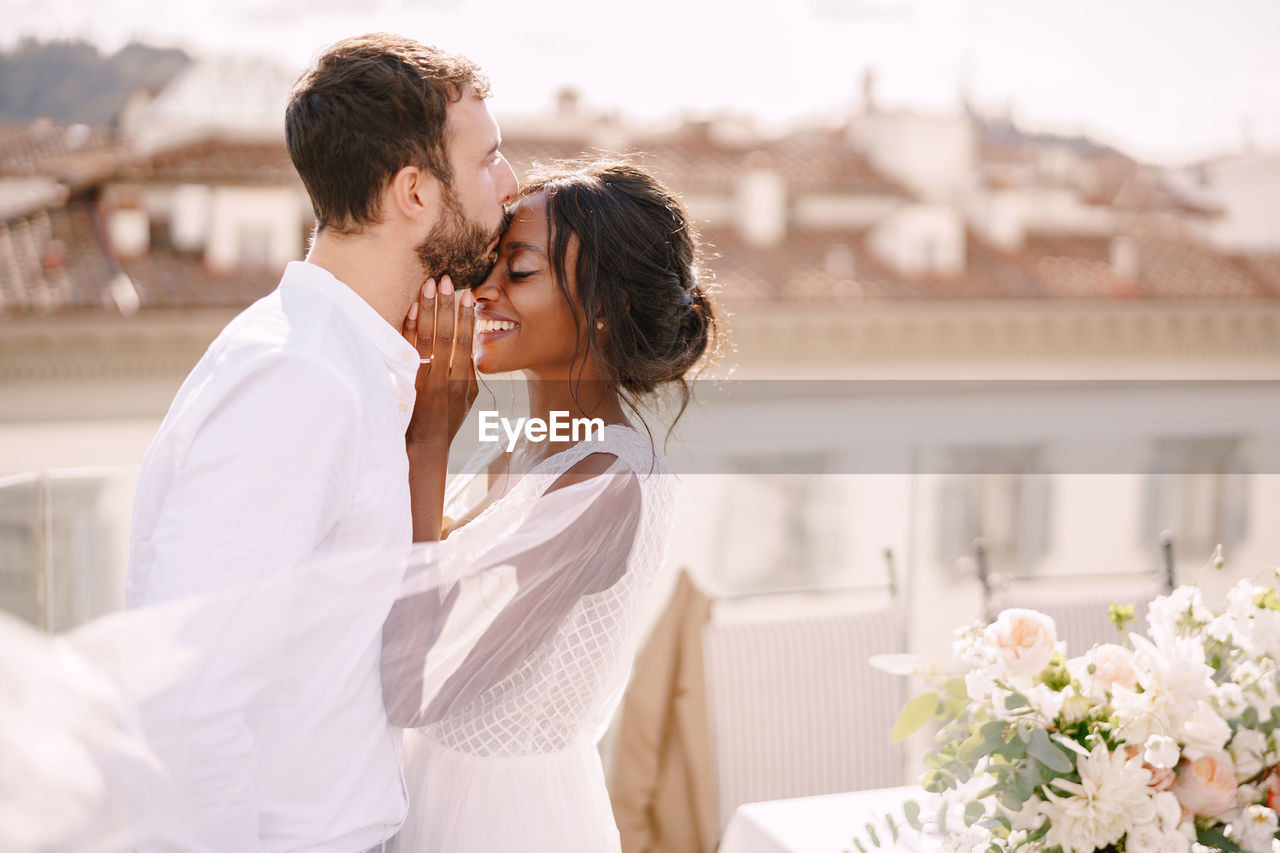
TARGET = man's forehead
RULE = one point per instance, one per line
(469, 123)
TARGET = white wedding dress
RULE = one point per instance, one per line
(535, 638)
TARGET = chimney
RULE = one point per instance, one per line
(127, 223)
(869, 91)
(762, 206)
(1124, 256)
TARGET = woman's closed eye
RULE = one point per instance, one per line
(519, 274)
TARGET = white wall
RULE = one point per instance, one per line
(1248, 191)
(934, 155)
(921, 239)
(241, 215)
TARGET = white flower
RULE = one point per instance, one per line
(1248, 752)
(1230, 699)
(1247, 795)
(1177, 614)
(1204, 731)
(1255, 829)
(1161, 751)
(1168, 809)
(1174, 680)
(1074, 706)
(1148, 838)
(1111, 796)
(1024, 640)
(979, 685)
(1046, 702)
(969, 840)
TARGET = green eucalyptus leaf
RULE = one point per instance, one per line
(914, 714)
(986, 740)
(1214, 837)
(1048, 753)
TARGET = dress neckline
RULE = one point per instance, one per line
(488, 459)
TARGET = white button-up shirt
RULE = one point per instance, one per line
(283, 452)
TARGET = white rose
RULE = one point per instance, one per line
(1025, 641)
(1161, 751)
(1204, 730)
(1144, 838)
(1248, 750)
(1169, 810)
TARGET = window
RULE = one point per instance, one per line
(254, 245)
(1199, 491)
(998, 494)
(779, 524)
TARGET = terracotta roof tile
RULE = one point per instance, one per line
(216, 161)
(54, 260)
(78, 155)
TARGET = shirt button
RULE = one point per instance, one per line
(408, 355)
(404, 407)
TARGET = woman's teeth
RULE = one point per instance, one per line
(494, 325)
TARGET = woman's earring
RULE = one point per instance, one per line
(599, 324)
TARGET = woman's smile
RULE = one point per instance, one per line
(493, 327)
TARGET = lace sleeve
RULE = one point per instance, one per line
(463, 622)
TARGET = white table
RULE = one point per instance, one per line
(826, 824)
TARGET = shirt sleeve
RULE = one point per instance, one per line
(259, 486)
(464, 623)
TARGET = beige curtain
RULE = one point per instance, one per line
(663, 784)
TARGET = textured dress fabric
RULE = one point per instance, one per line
(503, 754)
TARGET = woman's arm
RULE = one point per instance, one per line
(441, 650)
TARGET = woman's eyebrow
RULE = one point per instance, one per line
(528, 247)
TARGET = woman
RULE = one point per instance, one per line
(510, 675)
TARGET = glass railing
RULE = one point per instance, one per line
(64, 544)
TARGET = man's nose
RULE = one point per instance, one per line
(510, 184)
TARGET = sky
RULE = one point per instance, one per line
(1171, 82)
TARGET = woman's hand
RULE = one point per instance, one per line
(446, 381)
(446, 387)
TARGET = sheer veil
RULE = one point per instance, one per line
(83, 716)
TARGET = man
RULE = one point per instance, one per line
(283, 459)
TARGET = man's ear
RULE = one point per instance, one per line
(413, 194)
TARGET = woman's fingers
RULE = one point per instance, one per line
(462, 365)
(426, 318)
(442, 342)
(410, 326)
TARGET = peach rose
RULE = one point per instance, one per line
(1113, 665)
(1024, 639)
(1207, 785)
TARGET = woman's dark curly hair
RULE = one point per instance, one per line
(637, 272)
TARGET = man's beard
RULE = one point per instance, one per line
(457, 247)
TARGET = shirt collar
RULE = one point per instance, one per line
(400, 356)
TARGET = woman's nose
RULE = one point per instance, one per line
(488, 290)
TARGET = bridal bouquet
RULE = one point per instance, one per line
(1149, 745)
